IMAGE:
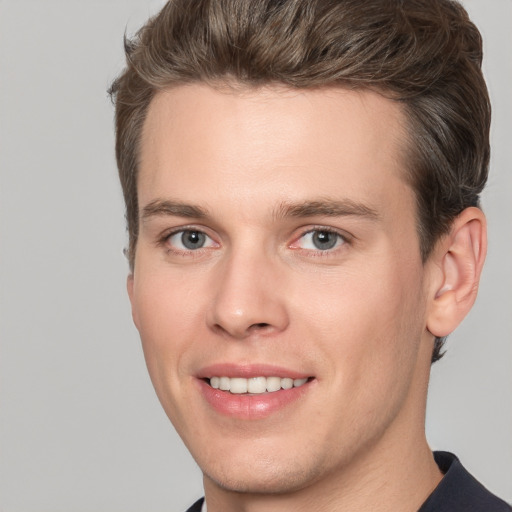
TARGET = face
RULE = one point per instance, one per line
(278, 286)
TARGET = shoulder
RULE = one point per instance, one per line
(459, 491)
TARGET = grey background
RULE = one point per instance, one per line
(80, 426)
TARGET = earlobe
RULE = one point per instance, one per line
(459, 258)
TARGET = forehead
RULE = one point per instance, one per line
(271, 143)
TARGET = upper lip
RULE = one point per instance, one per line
(248, 371)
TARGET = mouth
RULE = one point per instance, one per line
(254, 391)
(255, 385)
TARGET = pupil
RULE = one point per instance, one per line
(193, 239)
(324, 239)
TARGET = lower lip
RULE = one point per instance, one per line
(251, 407)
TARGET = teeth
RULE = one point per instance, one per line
(273, 384)
(238, 385)
(287, 383)
(254, 385)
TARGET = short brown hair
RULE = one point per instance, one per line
(425, 54)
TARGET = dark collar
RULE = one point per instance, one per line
(196, 507)
(459, 491)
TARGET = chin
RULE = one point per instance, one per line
(277, 484)
(262, 477)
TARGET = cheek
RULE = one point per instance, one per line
(367, 323)
(166, 304)
(165, 319)
(168, 327)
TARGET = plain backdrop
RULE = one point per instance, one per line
(80, 426)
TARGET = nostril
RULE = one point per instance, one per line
(260, 326)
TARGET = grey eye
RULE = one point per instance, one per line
(320, 240)
(190, 240)
(193, 239)
(325, 240)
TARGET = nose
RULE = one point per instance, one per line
(249, 298)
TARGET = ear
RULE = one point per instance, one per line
(129, 288)
(458, 261)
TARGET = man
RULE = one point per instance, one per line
(302, 185)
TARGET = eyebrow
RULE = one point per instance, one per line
(164, 207)
(326, 208)
(322, 207)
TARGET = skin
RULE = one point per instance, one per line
(359, 319)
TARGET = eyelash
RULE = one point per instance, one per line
(319, 253)
(163, 241)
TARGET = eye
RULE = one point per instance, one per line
(190, 240)
(319, 240)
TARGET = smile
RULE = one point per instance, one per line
(253, 392)
(254, 385)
